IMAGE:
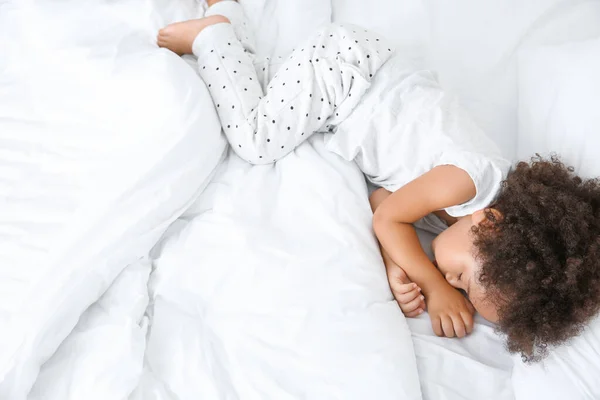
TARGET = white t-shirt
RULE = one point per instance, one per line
(406, 125)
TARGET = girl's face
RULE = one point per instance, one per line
(453, 250)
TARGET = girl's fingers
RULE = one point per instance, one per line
(459, 326)
(447, 326)
(411, 305)
(468, 320)
(404, 288)
(407, 297)
(436, 324)
(415, 313)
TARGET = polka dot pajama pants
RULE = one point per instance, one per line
(317, 87)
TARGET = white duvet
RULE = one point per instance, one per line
(271, 285)
(277, 291)
(104, 141)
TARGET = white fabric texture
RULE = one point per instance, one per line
(476, 367)
(405, 24)
(277, 291)
(559, 93)
(102, 148)
(113, 332)
(570, 371)
(279, 26)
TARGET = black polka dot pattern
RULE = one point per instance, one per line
(314, 89)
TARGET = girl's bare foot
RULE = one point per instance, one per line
(179, 37)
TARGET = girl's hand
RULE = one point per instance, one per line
(450, 312)
(407, 294)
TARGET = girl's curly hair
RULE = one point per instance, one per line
(540, 255)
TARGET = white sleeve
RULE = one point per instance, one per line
(487, 172)
(465, 145)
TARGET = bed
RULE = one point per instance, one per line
(142, 259)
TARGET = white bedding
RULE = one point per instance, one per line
(104, 353)
(278, 291)
(271, 285)
(101, 148)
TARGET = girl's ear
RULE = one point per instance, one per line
(479, 216)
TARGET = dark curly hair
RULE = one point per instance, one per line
(540, 255)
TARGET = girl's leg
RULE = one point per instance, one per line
(178, 37)
(317, 86)
(235, 14)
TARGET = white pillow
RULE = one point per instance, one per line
(559, 96)
(104, 140)
(473, 48)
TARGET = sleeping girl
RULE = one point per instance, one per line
(522, 247)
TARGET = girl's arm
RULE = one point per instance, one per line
(407, 293)
(442, 187)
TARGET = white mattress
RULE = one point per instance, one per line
(271, 286)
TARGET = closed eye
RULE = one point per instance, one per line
(459, 276)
